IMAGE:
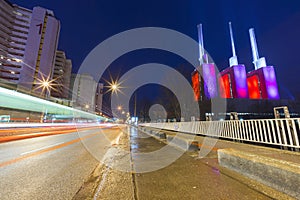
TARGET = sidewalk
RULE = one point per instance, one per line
(286, 155)
(279, 169)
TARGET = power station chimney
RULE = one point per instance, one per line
(233, 61)
(202, 56)
(257, 61)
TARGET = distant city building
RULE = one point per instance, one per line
(28, 44)
(61, 76)
(99, 98)
(83, 89)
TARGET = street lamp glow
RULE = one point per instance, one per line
(119, 107)
(46, 84)
(114, 87)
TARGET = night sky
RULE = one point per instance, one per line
(84, 24)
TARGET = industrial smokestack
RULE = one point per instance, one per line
(203, 58)
(258, 62)
(233, 61)
(201, 47)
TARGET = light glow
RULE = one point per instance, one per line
(253, 87)
(210, 80)
(225, 86)
(45, 84)
(196, 85)
(114, 87)
(15, 100)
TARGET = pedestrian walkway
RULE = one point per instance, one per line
(191, 178)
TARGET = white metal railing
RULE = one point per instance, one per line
(280, 132)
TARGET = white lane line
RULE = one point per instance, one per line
(45, 147)
(117, 140)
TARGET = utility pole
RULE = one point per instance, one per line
(135, 104)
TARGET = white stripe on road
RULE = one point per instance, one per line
(45, 147)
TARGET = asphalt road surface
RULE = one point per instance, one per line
(52, 167)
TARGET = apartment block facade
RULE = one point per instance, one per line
(28, 44)
(61, 76)
(83, 91)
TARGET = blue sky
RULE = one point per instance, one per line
(84, 24)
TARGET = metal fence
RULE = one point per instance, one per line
(277, 132)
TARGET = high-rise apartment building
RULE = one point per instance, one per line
(28, 42)
(61, 76)
(83, 91)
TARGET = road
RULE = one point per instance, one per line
(52, 167)
(57, 167)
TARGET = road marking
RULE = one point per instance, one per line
(45, 147)
(107, 169)
(58, 146)
(117, 140)
(23, 157)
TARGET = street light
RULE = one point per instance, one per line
(46, 85)
(114, 87)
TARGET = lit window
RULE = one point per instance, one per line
(17, 13)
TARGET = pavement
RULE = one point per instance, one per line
(192, 178)
(210, 146)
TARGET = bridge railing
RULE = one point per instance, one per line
(277, 132)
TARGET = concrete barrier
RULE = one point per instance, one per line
(156, 134)
(182, 143)
(282, 175)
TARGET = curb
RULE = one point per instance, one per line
(182, 143)
(281, 175)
